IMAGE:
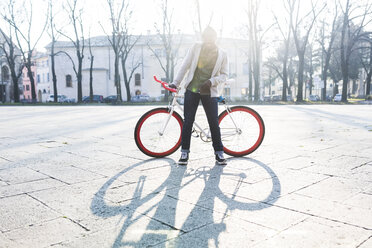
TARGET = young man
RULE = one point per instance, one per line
(207, 67)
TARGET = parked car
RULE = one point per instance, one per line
(289, 98)
(110, 99)
(60, 98)
(267, 98)
(140, 98)
(337, 98)
(96, 98)
(276, 98)
(314, 98)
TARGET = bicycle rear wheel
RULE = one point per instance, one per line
(148, 132)
(242, 130)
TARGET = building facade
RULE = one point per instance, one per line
(147, 52)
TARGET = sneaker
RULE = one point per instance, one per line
(220, 159)
(184, 158)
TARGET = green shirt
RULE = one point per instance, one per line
(203, 72)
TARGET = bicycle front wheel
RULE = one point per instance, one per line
(242, 130)
(158, 133)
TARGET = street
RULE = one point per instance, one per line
(72, 176)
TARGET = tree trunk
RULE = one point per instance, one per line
(79, 78)
(126, 83)
(31, 77)
(117, 78)
(301, 62)
(369, 75)
(54, 76)
(15, 85)
(285, 80)
(91, 78)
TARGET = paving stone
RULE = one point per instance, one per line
(46, 234)
(140, 231)
(72, 201)
(67, 174)
(226, 233)
(22, 210)
(27, 187)
(338, 189)
(7, 243)
(327, 209)
(367, 243)
(315, 232)
(20, 175)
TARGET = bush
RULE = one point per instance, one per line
(369, 98)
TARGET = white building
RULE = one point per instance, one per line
(6, 87)
(43, 79)
(142, 81)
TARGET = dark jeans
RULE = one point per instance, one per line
(210, 106)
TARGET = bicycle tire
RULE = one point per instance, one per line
(142, 138)
(253, 123)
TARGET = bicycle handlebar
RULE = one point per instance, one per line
(165, 85)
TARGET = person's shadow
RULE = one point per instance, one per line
(201, 215)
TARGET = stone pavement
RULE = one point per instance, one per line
(72, 176)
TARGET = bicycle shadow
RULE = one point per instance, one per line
(162, 230)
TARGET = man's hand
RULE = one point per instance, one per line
(205, 89)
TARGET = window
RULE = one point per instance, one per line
(27, 87)
(137, 79)
(4, 73)
(245, 68)
(48, 77)
(68, 81)
(226, 91)
(159, 52)
(44, 91)
(244, 91)
(43, 77)
(38, 78)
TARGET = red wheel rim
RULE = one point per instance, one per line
(260, 136)
(147, 151)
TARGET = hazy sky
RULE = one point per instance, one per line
(228, 16)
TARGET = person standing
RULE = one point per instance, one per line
(207, 67)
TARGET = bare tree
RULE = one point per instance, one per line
(326, 41)
(78, 41)
(12, 54)
(301, 41)
(128, 71)
(165, 34)
(52, 31)
(351, 33)
(116, 37)
(286, 36)
(24, 33)
(256, 36)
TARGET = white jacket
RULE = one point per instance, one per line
(190, 62)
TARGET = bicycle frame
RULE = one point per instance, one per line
(196, 126)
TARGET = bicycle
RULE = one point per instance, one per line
(158, 131)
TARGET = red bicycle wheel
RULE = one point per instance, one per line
(157, 133)
(242, 130)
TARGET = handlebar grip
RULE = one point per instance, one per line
(165, 85)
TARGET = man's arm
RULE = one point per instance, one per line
(186, 63)
(224, 72)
